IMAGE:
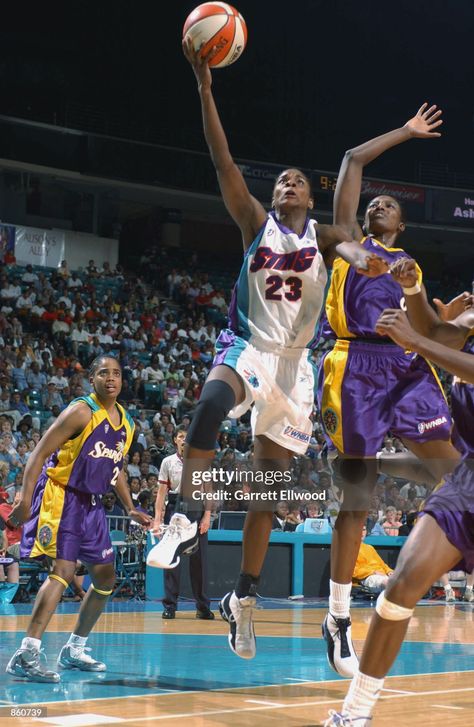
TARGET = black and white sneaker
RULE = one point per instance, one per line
(340, 649)
(238, 614)
(181, 538)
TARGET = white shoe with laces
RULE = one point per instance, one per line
(181, 537)
(468, 594)
(238, 614)
(74, 657)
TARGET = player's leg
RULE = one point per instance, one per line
(13, 572)
(223, 390)
(356, 412)
(26, 661)
(357, 478)
(426, 555)
(438, 456)
(73, 654)
(236, 607)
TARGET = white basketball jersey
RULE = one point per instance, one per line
(280, 292)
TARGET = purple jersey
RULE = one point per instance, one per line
(91, 462)
(355, 302)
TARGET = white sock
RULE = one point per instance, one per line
(339, 599)
(362, 695)
(30, 643)
(77, 641)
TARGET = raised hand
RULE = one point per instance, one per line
(403, 271)
(424, 123)
(199, 65)
(456, 306)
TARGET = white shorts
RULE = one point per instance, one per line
(280, 385)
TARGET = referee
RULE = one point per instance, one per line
(169, 481)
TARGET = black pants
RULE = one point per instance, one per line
(197, 571)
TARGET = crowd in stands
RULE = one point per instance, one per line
(161, 321)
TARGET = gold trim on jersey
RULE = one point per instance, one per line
(71, 450)
(52, 505)
(335, 309)
(331, 410)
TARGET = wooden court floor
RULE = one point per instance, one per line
(182, 672)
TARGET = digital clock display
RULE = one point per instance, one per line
(327, 182)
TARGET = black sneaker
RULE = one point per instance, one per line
(205, 615)
(341, 654)
(168, 613)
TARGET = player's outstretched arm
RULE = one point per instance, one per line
(333, 241)
(395, 323)
(347, 195)
(68, 425)
(423, 318)
(245, 210)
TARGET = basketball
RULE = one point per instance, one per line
(220, 25)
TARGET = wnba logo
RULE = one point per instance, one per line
(427, 426)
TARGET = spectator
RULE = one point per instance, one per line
(391, 525)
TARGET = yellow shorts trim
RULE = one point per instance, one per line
(331, 408)
(51, 511)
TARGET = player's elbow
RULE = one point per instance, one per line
(352, 156)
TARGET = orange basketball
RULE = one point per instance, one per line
(220, 25)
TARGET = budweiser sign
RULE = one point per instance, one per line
(374, 188)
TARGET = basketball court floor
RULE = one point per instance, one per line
(182, 672)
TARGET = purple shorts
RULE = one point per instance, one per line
(66, 524)
(368, 389)
(452, 506)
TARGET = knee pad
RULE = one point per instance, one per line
(216, 401)
(391, 611)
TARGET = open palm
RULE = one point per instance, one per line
(424, 124)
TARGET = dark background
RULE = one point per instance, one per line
(317, 77)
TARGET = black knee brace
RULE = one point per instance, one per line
(216, 401)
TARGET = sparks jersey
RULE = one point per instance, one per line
(279, 295)
(92, 461)
(355, 302)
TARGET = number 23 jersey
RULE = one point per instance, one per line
(280, 292)
(92, 461)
